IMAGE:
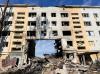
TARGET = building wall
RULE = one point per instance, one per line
(74, 16)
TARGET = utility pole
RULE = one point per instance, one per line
(3, 16)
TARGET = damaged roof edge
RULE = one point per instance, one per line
(65, 6)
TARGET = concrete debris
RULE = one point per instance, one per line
(52, 66)
(35, 67)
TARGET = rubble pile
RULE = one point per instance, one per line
(95, 66)
(52, 66)
(35, 67)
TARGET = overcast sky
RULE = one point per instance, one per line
(55, 2)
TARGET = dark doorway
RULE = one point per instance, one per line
(31, 48)
(86, 59)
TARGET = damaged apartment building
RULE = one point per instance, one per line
(75, 30)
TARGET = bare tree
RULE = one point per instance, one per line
(3, 16)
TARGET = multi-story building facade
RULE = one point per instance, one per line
(78, 28)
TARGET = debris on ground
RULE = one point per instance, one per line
(52, 66)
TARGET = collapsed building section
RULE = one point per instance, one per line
(41, 48)
(75, 37)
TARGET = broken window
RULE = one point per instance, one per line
(76, 22)
(9, 14)
(85, 14)
(69, 43)
(75, 17)
(31, 33)
(43, 14)
(16, 49)
(81, 47)
(18, 31)
(21, 13)
(32, 14)
(77, 26)
(19, 22)
(70, 56)
(95, 15)
(5, 44)
(87, 23)
(43, 23)
(77, 32)
(43, 33)
(80, 42)
(5, 33)
(18, 26)
(74, 13)
(53, 23)
(98, 23)
(90, 33)
(7, 23)
(53, 14)
(17, 34)
(20, 17)
(65, 23)
(55, 33)
(17, 43)
(32, 23)
(66, 33)
(79, 36)
(64, 14)
(17, 37)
